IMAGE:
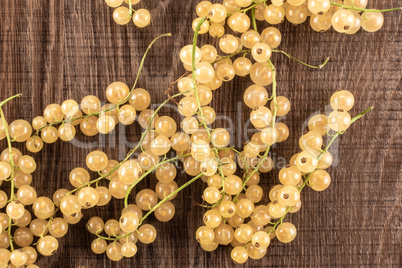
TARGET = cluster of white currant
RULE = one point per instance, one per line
(60, 121)
(83, 196)
(123, 177)
(126, 174)
(122, 15)
(20, 169)
(192, 146)
(346, 16)
(230, 208)
(17, 169)
(205, 154)
(250, 227)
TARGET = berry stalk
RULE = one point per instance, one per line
(256, 3)
(48, 223)
(193, 75)
(12, 196)
(199, 104)
(221, 58)
(262, 159)
(301, 62)
(148, 172)
(130, 7)
(170, 195)
(116, 238)
(364, 9)
(275, 51)
(253, 19)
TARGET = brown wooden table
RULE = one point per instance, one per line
(54, 50)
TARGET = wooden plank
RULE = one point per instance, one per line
(54, 50)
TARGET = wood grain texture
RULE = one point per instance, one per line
(54, 50)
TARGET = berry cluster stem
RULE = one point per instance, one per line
(150, 211)
(274, 85)
(170, 196)
(275, 51)
(193, 75)
(253, 19)
(48, 223)
(364, 9)
(148, 172)
(202, 119)
(130, 8)
(245, 51)
(301, 62)
(256, 3)
(10, 150)
(221, 58)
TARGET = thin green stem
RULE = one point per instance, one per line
(148, 172)
(253, 19)
(275, 51)
(279, 221)
(10, 236)
(10, 98)
(265, 156)
(236, 151)
(48, 223)
(357, 117)
(202, 117)
(116, 106)
(256, 3)
(103, 237)
(262, 159)
(193, 75)
(231, 55)
(274, 85)
(364, 9)
(334, 137)
(142, 65)
(170, 196)
(301, 62)
(10, 151)
(151, 210)
(130, 8)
